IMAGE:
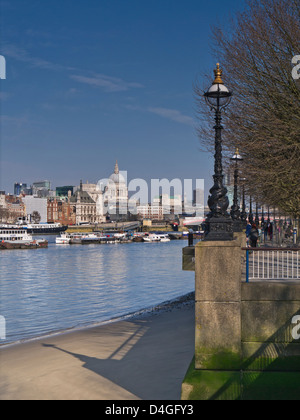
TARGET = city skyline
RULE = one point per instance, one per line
(89, 83)
(137, 189)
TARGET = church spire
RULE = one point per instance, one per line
(116, 167)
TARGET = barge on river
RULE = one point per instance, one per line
(45, 228)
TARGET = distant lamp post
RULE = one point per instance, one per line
(251, 218)
(219, 225)
(235, 208)
(262, 217)
(257, 216)
(243, 212)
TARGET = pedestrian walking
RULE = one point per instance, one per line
(266, 227)
(248, 229)
(270, 231)
(253, 236)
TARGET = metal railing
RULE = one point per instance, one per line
(272, 264)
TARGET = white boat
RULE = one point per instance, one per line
(164, 237)
(12, 237)
(14, 234)
(89, 238)
(84, 238)
(64, 238)
(152, 237)
(120, 235)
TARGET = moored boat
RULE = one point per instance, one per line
(138, 237)
(26, 245)
(90, 238)
(164, 237)
(45, 228)
(63, 239)
(152, 237)
(175, 235)
(37, 228)
(84, 238)
(120, 235)
(18, 238)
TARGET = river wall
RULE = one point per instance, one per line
(247, 335)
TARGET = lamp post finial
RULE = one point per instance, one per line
(218, 74)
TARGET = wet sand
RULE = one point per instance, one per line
(144, 357)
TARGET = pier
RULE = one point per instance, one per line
(106, 227)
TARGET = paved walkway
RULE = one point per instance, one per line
(140, 358)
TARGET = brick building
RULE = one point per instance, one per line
(60, 211)
(11, 208)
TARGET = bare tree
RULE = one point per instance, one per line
(263, 119)
(36, 217)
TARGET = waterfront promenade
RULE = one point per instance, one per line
(140, 358)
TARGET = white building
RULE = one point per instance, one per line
(84, 202)
(115, 195)
(92, 202)
(148, 211)
(172, 204)
(35, 204)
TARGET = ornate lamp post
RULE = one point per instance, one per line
(219, 223)
(235, 208)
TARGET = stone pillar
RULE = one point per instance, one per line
(218, 305)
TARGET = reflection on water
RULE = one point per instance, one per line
(66, 286)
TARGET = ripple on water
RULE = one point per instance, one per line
(67, 286)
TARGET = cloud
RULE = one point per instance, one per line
(173, 114)
(107, 83)
(22, 55)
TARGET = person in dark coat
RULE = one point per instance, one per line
(248, 229)
(253, 236)
(266, 227)
(270, 231)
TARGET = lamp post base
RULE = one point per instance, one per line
(238, 226)
(219, 229)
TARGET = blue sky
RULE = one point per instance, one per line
(89, 82)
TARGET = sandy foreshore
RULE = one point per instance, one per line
(144, 357)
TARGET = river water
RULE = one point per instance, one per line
(69, 286)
